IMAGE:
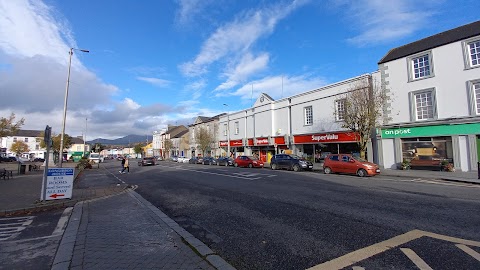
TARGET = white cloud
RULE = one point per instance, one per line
(155, 81)
(238, 36)
(379, 22)
(189, 9)
(247, 66)
(278, 87)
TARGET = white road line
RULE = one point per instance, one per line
(421, 264)
(358, 268)
(227, 175)
(62, 222)
(7, 231)
(469, 251)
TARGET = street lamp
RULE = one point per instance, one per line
(65, 103)
(85, 138)
(228, 131)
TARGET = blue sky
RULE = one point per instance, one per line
(154, 63)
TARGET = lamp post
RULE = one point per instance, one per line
(85, 138)
(65, 103)
(228, 131)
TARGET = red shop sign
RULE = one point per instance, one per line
(262, 141)
(280, 140)
(250, 142)
(236, 143)
(328, 137)
(223, 144)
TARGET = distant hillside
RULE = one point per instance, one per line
(129, 139)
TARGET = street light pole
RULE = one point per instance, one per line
(65, 103)
(85, 138)
(228, 131)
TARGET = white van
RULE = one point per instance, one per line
(95, 158)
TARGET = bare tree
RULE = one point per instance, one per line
(168, 145)
(204, 139)
(363, 110)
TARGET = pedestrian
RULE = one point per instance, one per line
(124, 165)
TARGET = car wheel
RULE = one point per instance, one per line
(274, 166)
(362, 173)
(327, 170)
(296, 168)
(250, 165)
(236, 164)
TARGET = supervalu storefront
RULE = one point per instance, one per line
(455, 143)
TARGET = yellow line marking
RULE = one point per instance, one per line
(469, 251)
(367, 252)
(421, 264)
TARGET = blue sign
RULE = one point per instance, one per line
(59, 171)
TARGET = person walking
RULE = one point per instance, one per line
(125, 165)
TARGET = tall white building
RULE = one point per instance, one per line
(434, 84)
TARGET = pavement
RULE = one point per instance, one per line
(113, 227)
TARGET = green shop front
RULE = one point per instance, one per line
(427, 147)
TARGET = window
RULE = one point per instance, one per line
(424, 105)
(14, 139)
(340, 109)
(475, 94)
(26, 140)
(237, 127)
(473, 53)
(308, 115)
(225, 129)
(420, 66)
(37, 147)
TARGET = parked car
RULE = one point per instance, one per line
(182, 159)
(246, 161)
(290, 162)
(95, 158)
(345, 163)
(225, 161)
(146, 161)
(193, 160)
(209, 161)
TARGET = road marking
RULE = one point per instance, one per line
(212, 173)
(421, 264)
(367, 252)
(358, 268)
(469, 251)
(13, 226)
(62, 221)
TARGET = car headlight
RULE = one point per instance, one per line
(303, 162)
(369, 166)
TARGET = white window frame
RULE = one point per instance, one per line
(308, 116)
(474, 89)
(467, 54)
(340, 114)
(411, 67)
(414, 106)
(237, 127)
(225, 129)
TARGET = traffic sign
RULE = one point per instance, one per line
(59, 183)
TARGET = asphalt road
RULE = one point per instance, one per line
(264, 219)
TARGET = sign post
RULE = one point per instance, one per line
(48, 142)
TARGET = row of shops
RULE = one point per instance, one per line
(423, 146)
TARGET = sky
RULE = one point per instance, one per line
(157, 63)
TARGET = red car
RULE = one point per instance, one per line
(245, 161)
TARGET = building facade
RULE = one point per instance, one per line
(435, 86)
(308, 124)
(211, 125)
(29, 137)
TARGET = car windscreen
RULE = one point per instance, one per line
(94, 156)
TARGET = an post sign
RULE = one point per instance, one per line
(59, 183)
(430, 131)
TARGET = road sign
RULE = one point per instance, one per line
(59, 183)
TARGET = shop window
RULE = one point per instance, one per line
(427, 152)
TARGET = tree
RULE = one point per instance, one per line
(138, 149)
(9, 127)
(204, 139)
(364, 107)
(167, 145)
(98, 147)
(19, 147)
(67, 142)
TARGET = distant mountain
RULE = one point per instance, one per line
(129, 139)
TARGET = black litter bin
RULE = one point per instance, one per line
(23, 168)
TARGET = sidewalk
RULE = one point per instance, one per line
(463, 177)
